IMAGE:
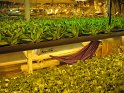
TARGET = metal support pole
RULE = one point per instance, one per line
(27, 10)
(52, 2)
(109, 14)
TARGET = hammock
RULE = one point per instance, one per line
(85, 53)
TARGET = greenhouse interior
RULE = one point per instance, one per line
(61, 46)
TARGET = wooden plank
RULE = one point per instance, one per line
(62, 50)
(8, 68)
(30, 68)
(12, 58)
(45, 64)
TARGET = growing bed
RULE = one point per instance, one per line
(20, 31)
(20, 35)
(97, 75)
(55, 31)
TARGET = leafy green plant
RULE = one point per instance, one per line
(75, 30)
(12, 33)
(20, 31)
(60, 31)
(95, 75)
(33, 33)
(108, 28)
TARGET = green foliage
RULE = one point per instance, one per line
(20, 31)
(97, 75)
(33, 32)
(11, 32)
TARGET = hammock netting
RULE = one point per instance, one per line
(85, 53)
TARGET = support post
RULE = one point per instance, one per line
(29, 56)
(109, 14)
(27, 10)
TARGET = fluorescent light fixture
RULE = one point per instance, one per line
(17, 11)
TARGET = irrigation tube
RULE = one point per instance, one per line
(30, 46)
